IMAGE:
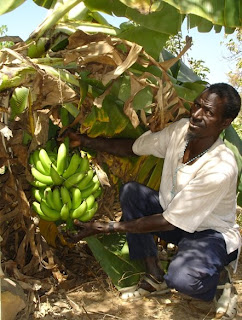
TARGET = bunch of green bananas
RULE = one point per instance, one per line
(65, 187)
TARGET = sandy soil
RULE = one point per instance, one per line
(87, 293)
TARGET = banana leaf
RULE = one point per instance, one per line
(10, 5)
(179, 70)
(44, 3)
(221, 12)
(19, 101)
(111, 251)
(151, 40)
(234, 143)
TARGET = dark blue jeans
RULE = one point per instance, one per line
(201, 256)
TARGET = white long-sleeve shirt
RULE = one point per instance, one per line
(205, 190)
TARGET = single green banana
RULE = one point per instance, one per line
(57, 179)
(37, 194)
(73, 165)
(48, 212)
(61, 158)
(84, 165)
(88, 185)
(37, 163)
(37, 209)
(90, 201)
(48, 196)
(78, 212)
(45, 160)
(35, 156)
(89, 214)
(98, 192)
(38, 184)
(65, 196)
(64, 213)
(89, 175)
(90, 190)
(57, 199)
(91, 183)
(41, 177)
(76, 197)
(74, 180)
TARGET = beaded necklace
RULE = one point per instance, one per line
(173, 193)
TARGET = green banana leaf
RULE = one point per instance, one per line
(151, 40)
(166, 20)
(19, 101)
(10, 5)
(165, 16)
(111, 251)
(45, 3)
(234, 143)
(221, 12)
(179, 70)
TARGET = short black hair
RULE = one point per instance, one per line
(231, 97)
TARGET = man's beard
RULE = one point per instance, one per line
(190, 135)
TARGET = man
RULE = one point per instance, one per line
(195, 207)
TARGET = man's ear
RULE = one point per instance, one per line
(227, 122)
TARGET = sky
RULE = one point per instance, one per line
(206, 46)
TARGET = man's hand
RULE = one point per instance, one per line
(75, 137)
(85, 230)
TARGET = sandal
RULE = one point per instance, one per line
(226, 299)
(146, 287)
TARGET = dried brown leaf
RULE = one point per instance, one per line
(49, 231)
(99, 100)
(169, 63)
(102, 176)
(80, 38)
(131, 113)
(127, 63)
(21, 254)
(21, 153)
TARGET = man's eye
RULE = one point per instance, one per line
(209, 112)
(196, 105)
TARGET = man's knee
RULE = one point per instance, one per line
(127, 189)
(195, 282)
(127, 200)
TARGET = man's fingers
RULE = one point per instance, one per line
(79, 223)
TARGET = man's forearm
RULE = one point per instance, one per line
(152, 223)
(115, 146)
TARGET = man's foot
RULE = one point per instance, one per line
(147, 286)
(226, 297)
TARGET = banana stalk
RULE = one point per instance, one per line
(88, 27)
(58, 12)
(63, 75)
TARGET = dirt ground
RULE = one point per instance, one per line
(88, 294)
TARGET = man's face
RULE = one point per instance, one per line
(206, 116)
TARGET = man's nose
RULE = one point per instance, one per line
(197, 114)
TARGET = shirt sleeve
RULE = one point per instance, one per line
(196, 201)
(154, 143)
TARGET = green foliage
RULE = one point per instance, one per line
(175, 44)
(9, 5)
(234, 143)
(234, 45)
(111, 251)
(4, 44)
